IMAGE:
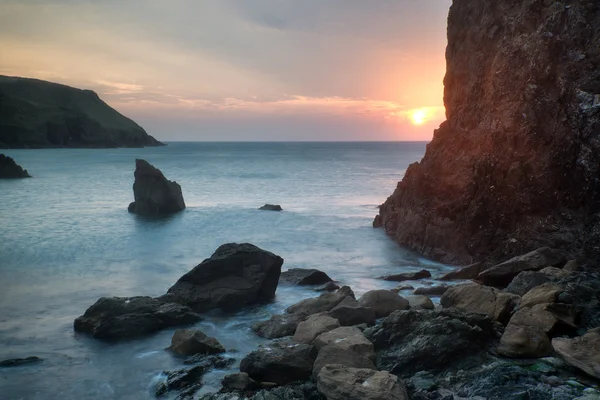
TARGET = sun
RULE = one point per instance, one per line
(419, 116)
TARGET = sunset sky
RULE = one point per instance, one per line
(242, 69)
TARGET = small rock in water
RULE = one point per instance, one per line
(420, 302)
(304, 277)
(437, 290)
(15, 362)
(271, 207)
(278, 326)
(328, 287)
(188, 342)
(407, 276)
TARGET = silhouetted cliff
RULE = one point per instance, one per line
(516, 165)
(37, 114)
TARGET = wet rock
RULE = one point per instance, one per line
(403, 287)
(347, 338)
(239, 382)
(278, 326)
(189, 381)
(281, 363)
(503, 273)
(468, 272)
(187, 342)
(323, 303)
(338, 382)
(17, 362)
(545, 293)
(304, 277)
(581, 352)
(383, 302)
(117, 318)
(308, 330)
(582, 289)
(236, 275)
(436, 290)
(9, 169)
(330, 354)
(526, 281)
(408, 276)
(414, 340)
(327, 287)
(349, 312)
(555, 274)
(481, 299)
(271, 207)
(153, 193)
(420, 302)
(571, 266)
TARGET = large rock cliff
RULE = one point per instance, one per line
(516, 164)
(38, 114)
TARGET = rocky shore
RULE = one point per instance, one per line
(534, 336)
(9, 169)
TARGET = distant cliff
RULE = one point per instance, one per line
(517, 163)
(38, 114)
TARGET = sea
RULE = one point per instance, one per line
(66, 239)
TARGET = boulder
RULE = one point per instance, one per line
(116, 318)
(383, 302)
(436, 290)
(239, 382)
(304, 277)
(571, 266)
(9, 169)
(323, 303)
(153, 193)
(414, 340)
(420, 302)
(581, 352)
(407, 276)
(468, 272)
(347, 338)
(308, 330)
(403, 287)
(236, 275)
(527, 333)
(546, 293)
(278, 326)
(526, 281)
(555, 274)
(17, 362)
(349, 312)
(187, 342)
(281, 363)
(481, 299)
(503, 273)
(338, 382)
(335, 355)
(271, 207)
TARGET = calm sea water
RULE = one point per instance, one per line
(66, 239)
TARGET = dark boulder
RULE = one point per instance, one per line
(349, 312)
(9, 169)
(239, 382)
(526, 281)
(153, 193)
(327, 287)
(407, 276)
(187, 342)
(117, 318)
(278, 326)
(332, 354)
(383, 302)
(468, 272)
(304, 277)
(435, 290)
(323, 303)
(281, 363)
(271, 207)
(414, 340)
(16, 362)
(234, 276)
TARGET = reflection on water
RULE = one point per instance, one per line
(67, 239)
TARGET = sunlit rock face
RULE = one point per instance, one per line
(516, 164)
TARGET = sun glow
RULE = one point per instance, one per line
(419, 116)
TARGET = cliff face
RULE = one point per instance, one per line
(38, 114)
(516, 164)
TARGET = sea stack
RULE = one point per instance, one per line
(153, 193)
(9, 169)
(516, 164)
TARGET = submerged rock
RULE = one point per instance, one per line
(187, 342)
(278, 326)
(239, 382)
(188, 381)
(153, 193)
(9, 169)
(17, 362)
(117, 318)
(435, 290)
(407, 276)
(338, 382)
(481, 299)
(235, 276)
(271, 207)
(304, 277)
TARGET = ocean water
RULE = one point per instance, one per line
(66, 239)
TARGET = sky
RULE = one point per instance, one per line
(242, 69)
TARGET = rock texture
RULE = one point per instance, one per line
(9, 169)
(383, 302)
(39, 114)
(515, 166)
(481, 299)
(582, 352)
(234, 276)
(304, 277)
(153, 193)
(187, 342)
(338, 382)
(278, 326)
